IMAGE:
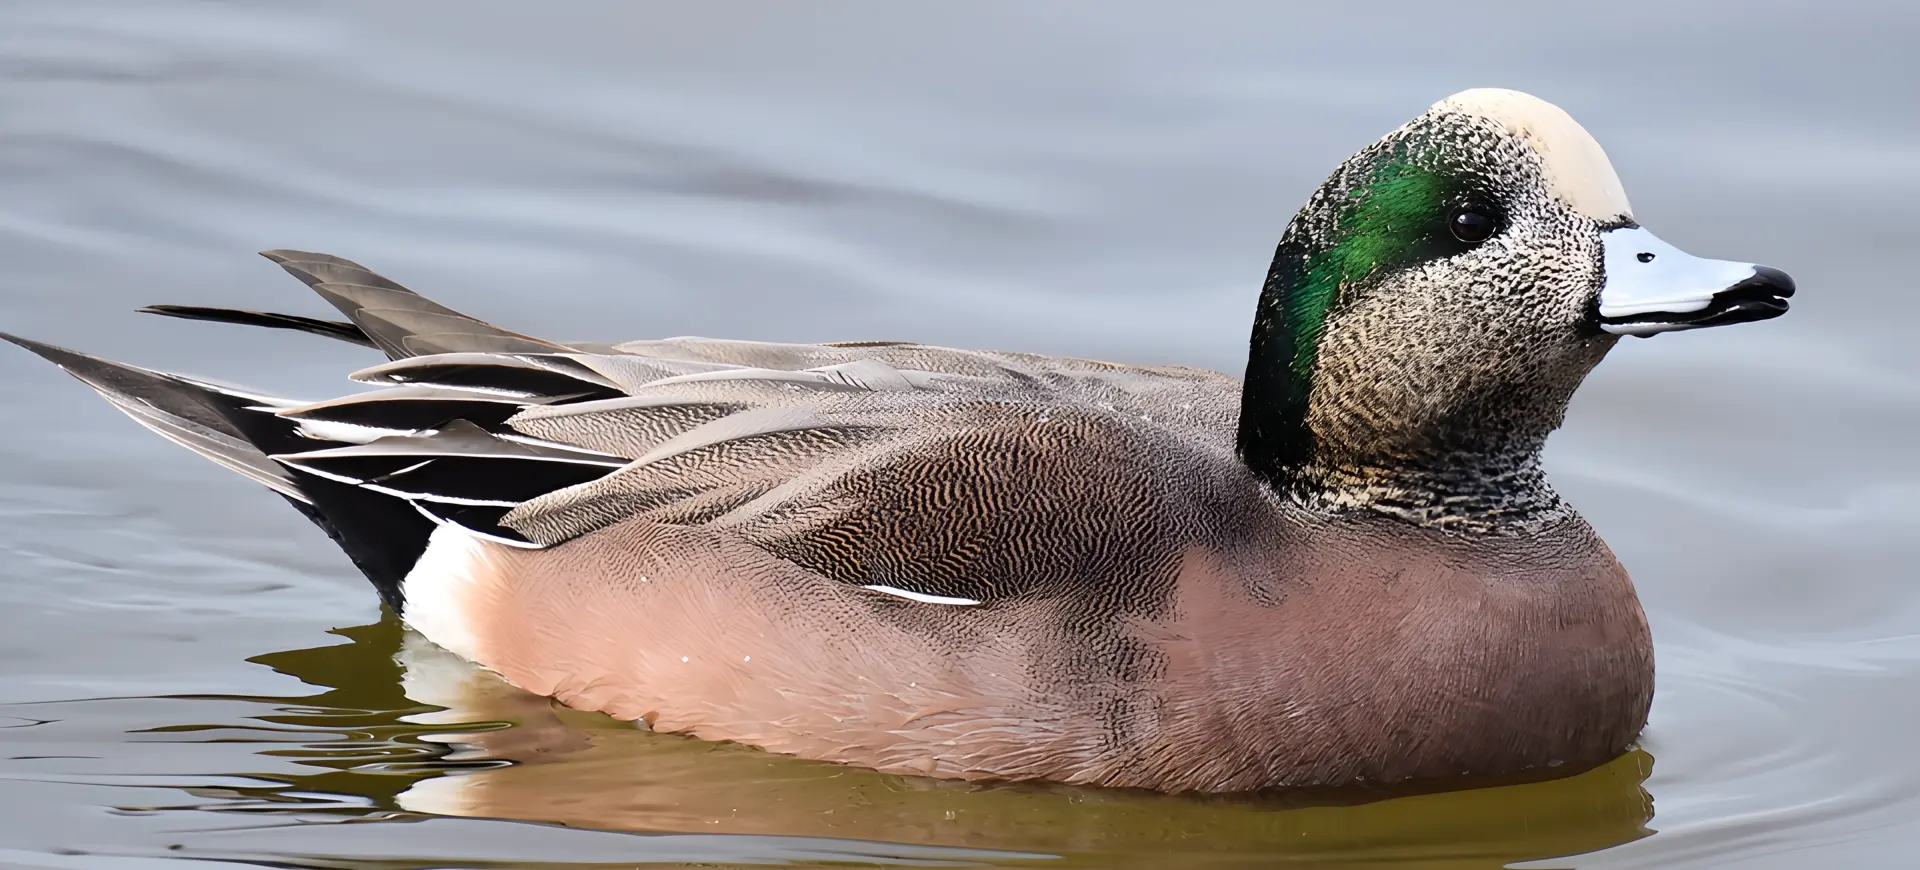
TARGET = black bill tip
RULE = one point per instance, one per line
(1761, 297)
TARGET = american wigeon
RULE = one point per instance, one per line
(1349, 566)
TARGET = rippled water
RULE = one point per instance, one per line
(190, 674)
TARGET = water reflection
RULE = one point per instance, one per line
(402, 729)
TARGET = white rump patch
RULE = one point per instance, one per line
(1577, 170)
(448, 579)
(921, 597)
(445, 795)
(431, 675)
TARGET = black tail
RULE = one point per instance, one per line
(383, 536)
(383, 525)
(329, 328)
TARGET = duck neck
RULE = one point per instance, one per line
(1502, 490)
(1384, 428)
(1478, 472)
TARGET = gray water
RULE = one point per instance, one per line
(191, 675)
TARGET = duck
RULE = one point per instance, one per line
(1347, 566)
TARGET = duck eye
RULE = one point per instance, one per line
(1471, 224)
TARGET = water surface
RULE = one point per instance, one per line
(191, 675)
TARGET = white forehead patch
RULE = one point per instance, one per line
(1578, 172)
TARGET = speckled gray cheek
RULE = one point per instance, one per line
(1435, 387)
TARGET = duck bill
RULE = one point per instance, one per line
(1653, 287)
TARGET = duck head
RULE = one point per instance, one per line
(1431, 310)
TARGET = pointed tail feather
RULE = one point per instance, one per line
(329, 328)
(200, 417)
(397, 320)
(380, 313)
(383, 525)
(383, 536)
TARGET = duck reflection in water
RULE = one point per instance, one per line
(415, 729)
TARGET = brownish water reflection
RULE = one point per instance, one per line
(411, 729)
